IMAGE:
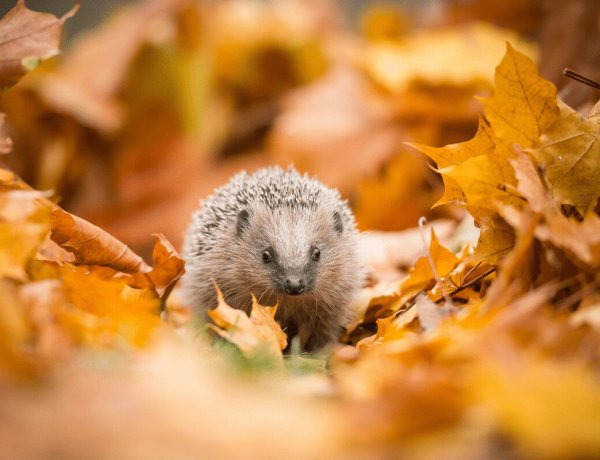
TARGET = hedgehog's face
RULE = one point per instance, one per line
(290, 250)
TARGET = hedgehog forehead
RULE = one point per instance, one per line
(290, 230)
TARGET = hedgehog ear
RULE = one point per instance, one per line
(243, 221)
(337, 222)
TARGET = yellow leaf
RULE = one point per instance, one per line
(496, 239)
(421, 276)
(23, 225)
(579, 238)
(252, 334)
(523, 105)
(570, 152)
(486, 181)
(432, 57)
(454, 154)
(105, 310)
(551, 410)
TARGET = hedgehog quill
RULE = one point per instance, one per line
(284, 237)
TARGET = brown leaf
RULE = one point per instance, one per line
(26, 37)
(91, 245)
(168, 265)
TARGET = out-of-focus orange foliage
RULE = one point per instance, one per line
(486, 346)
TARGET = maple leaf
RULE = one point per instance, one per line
(26, 37)
(580, 238)
(570, 153)
(252, 334)
(523, 105)
(486, 181)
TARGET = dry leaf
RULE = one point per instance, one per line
(257, 333)
(168, 265)
(24, 223)
(523, 105)
(570, 153)
(91, 245)
(106, 309)
(421, 276)
(26, 37)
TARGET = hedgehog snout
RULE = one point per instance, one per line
(294, 285)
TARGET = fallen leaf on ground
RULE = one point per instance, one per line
(255, 333)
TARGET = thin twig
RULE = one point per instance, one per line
(580, 78)
(470, 283)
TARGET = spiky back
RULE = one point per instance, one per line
(273, 187)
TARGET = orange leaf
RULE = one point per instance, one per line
(168, 265)
(106, 308)
(421, 275)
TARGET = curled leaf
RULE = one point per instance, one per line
(168, 265)
(91, 245)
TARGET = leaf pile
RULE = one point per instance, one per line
(486, 346)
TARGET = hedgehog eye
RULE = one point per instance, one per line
(315, 254)
(267, 256)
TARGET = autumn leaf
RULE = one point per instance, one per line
(454, 154)
(26, 37)
(91, 245)
(404, 174)
(523, 105)
(106, 309)
(24, 223)
(256, 333)
(431, 57)
(518, 398)
(486, 181)
(421, 276)
(168, 265)
(570, 153)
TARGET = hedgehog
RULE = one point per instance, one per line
(283, 237)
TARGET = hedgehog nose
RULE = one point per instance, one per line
(294, 285)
